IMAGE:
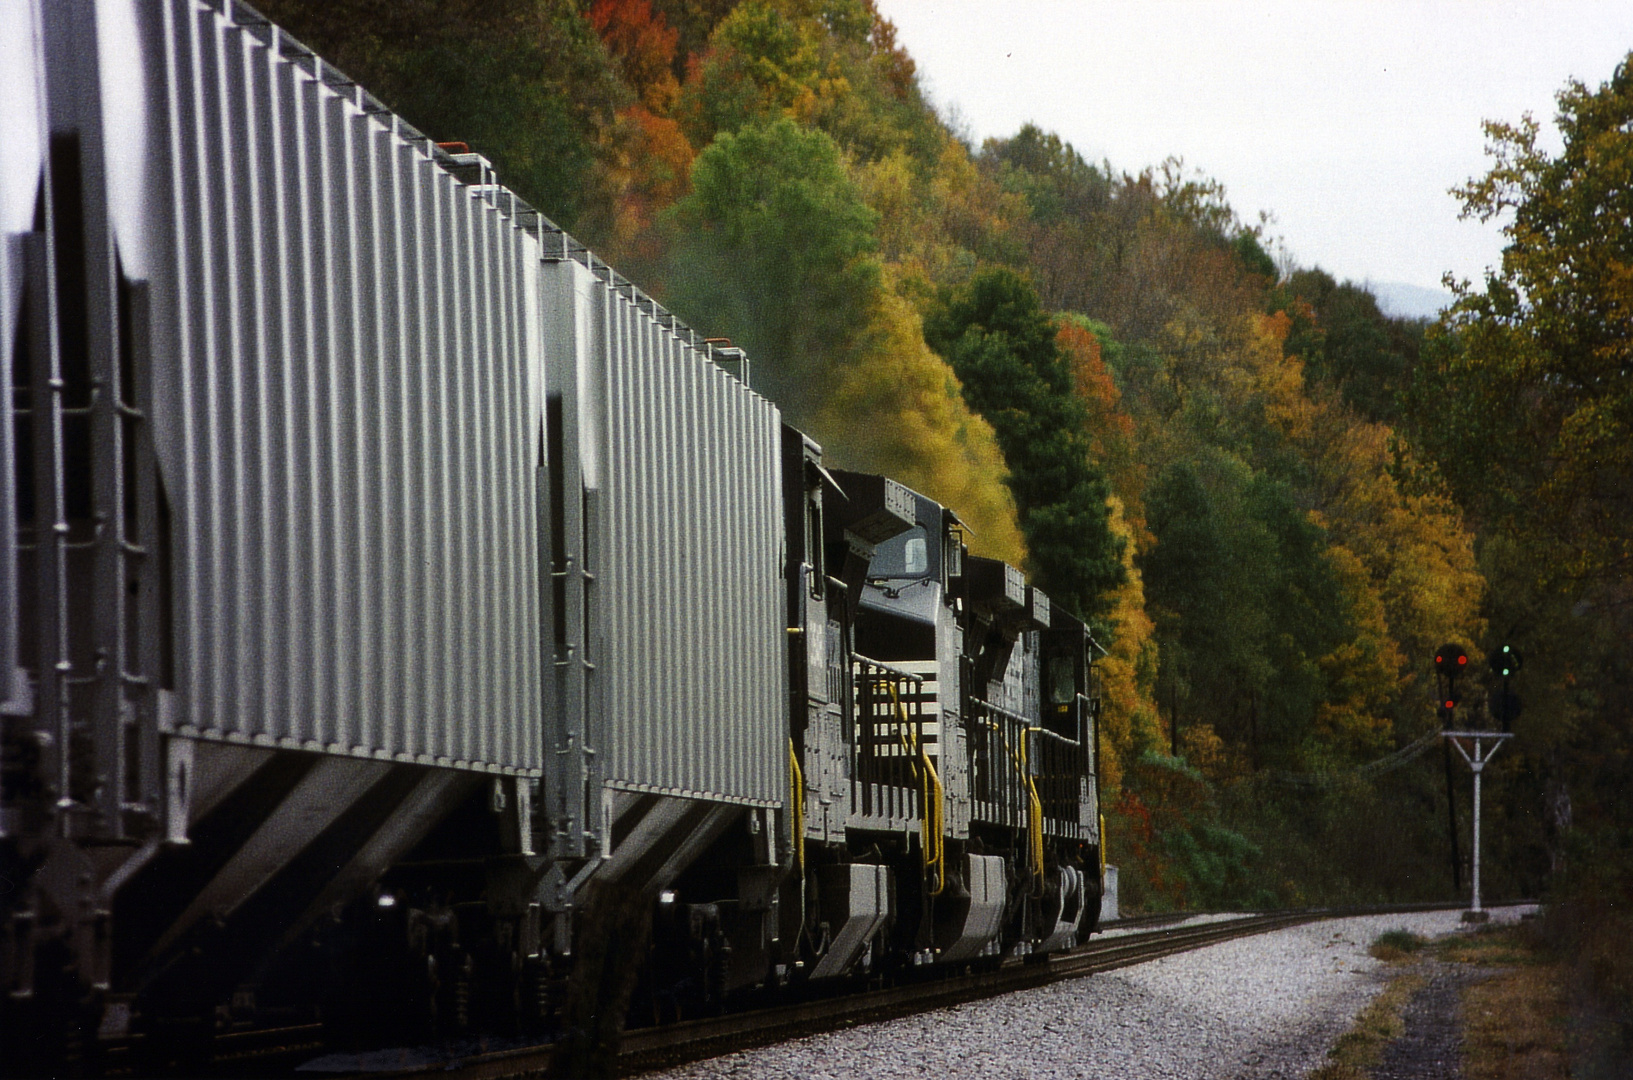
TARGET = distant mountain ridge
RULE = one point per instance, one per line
(1399, 300)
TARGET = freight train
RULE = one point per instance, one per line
(409, 624)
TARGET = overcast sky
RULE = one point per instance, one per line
(1346, 121)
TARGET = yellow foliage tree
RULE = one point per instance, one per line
(1128, 716)
(1418, 554)
(938, 218)
(898, 409)
(1361, 672)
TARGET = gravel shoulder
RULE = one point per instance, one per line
(1259, 1007)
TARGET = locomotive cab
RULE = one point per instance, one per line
(906, 588)
(1070, 680)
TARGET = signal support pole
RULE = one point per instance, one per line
(1477, 763)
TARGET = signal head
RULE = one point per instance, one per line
(1504, 661)
(1451, 660)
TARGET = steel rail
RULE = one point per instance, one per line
(668, 1045)
(645, 1049)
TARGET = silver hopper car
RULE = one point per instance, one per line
(407, 624)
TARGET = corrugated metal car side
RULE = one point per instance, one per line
(691, 658)
(356, 418)
(23, 113)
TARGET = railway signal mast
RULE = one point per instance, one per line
(1450, 660)
(1476, 747)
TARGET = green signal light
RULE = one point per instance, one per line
(1504, 661)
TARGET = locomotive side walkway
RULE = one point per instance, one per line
(1268, 1006)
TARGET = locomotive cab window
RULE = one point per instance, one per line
(904, 556)
(813, 542)
(1062, 684)
(1062, 680)
(917, 561)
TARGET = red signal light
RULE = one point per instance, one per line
(1451, 704)
(1450, 660)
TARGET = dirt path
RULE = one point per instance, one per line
(1430, 1047)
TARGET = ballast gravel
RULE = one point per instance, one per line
(1268, 1006)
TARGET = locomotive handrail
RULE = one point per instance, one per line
(1055, 737)
(889, 669)
(991, 721)
(796, 782)
(1034, 814)
(1058, 762)
(933, 843)
(881, 716)
(1007, 714)
(1034, 819)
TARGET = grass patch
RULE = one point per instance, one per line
(1492, 946)
(1393, 946)
(1379, 1024)
(1515, 1023)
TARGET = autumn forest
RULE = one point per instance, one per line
(1271, 500)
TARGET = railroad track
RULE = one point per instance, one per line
(1134, 941)
(645, 1049)
(665, 1046)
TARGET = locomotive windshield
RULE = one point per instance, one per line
(1062, 680)
(904, 556)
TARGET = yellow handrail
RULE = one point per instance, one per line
(933, 845)
(934, 823)
(1034, 826)
(1102, 848)
(796, 781)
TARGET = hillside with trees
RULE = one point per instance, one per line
(1271, 500)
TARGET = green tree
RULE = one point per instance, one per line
(1247, 602)
(1058, 184)
(833, 65)
(1526, 400)
(1523, 399)
(1252, 255)
(1348, 343)
(1002, 346)
(774, 248)
(762, 63)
